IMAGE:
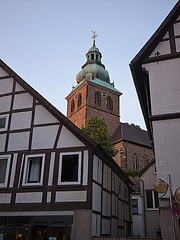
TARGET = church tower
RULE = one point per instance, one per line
(94, 95)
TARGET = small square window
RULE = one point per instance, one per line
(3, 122)
(34, 169)
(70, 168)
(4, 170)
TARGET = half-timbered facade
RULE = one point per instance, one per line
(156, 74)
(55, 181)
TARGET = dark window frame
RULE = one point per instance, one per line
(98, 98)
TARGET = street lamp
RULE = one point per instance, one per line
(161, 186)
(177, 194)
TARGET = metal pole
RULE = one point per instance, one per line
(173, 220)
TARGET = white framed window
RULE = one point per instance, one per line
(69, 168)
(152, 200)
(34, 170)
(134, 206)
(4, 170)
(3, 122)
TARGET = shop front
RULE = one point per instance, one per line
(36, 228)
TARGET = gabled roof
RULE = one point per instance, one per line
(144, 53)
(97, 148)
(131, 134)
(146, 167)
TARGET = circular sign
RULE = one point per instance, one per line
(175, 210)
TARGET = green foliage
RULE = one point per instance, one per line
(131, 172)
(98, 130)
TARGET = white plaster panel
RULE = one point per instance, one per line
(106, 204)
(18, 88)
(177, 41)
(5, 198)
(166, 35)
(3, 73)
(13, 170)
(48, 196)
(96, 197)
(43, 116)
(18, 141)
(24, 100)
(71, 196)
(6, 86)
(177, 29)
(2, 142)
(85, 168)
(114, 227)
(5, 103)
(164, 86)
(30, 197)
(67, 139)
(106, 225)
(107, 177)
(51, 169)
(44, 137)
(21, 120)
(100, 171)
(95, 167)
(167, 150)
(96, 219)
(163, 48)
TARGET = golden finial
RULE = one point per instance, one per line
(94, 36)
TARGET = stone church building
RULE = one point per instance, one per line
(95, 95)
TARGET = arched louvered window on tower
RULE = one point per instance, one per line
(72, 105)
(98, 98)
(109, 103)
(135, 162)
(79, 99)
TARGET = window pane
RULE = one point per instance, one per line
(156, 199)
(2, 122)
(3, 166)
(34, 169)
(149, 200)
(69, 172)
(134, 206)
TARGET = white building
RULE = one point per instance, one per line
(156, 74)
(55, 181)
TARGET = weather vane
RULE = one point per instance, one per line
(94, 36)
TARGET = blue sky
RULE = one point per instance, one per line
(45, 42)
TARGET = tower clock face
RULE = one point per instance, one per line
(104, 94)
(76, 96)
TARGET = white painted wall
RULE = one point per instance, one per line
(71, 196)
(67, 139)
(24, 100)
(42, 116)
(44, 137)
(21, 120)
(6, 86)
(167, 150)
(164, 86)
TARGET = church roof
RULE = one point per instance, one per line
(143, 56)
(126, 132)
(105, 84)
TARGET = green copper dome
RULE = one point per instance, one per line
(93, 68)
